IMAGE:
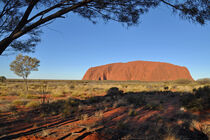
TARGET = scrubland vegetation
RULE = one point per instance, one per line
(108, 109)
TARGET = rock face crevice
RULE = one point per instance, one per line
(138, 70)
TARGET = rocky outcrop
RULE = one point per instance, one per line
(138, 70)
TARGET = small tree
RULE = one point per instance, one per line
(3, 79)
(23, 65)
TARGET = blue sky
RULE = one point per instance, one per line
(70, 46)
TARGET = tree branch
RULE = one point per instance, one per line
(50, 17)
(4, 8)
(169, 4)
(25, 16)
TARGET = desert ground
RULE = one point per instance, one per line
(103, 110)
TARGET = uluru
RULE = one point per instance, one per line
(138, 70)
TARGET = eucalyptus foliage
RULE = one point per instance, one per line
(21, 20)
(23, 65)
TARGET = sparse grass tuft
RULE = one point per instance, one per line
(152, 106)
(132, 112)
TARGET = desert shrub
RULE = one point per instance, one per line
(114, 91)
(199, 101)
(136, 100)
(72, 87)
(3, 79)
(64, 107)
(32, 104)
(166, 88)
(203, 81)
(53, 108)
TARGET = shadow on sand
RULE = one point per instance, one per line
(132, 115)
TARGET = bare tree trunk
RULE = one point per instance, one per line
(26, 85)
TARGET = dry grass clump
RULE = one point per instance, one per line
(132, 112)
(7, 108)
(32, 104)
(84, 117)
(120, 102)
(99, 114)
(170, 137)
(19, 102)
(29, 96)
(58, 94)
(153, 106)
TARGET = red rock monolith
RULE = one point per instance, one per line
(138, 70)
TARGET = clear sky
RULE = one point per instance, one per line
(70, 46)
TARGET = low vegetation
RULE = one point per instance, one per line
(163, 110)
(198, 101)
